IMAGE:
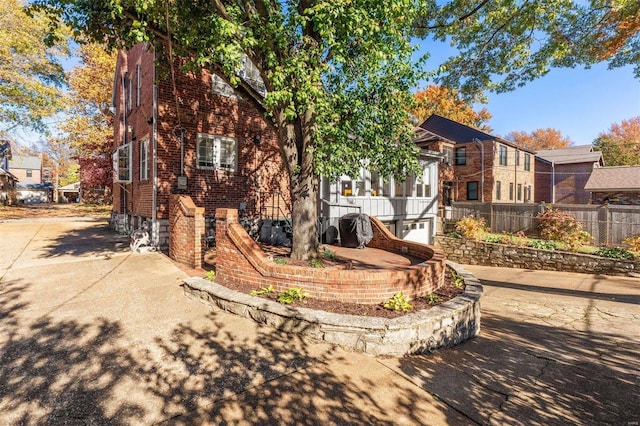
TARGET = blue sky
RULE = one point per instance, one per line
(580, 103)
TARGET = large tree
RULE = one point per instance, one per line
(31, 73)
(448, 103)
(540, 139)
(620, 146)
(338, 73)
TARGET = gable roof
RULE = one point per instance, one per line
(451, 131)
(572, 155)
(618, 178)
(23, 162)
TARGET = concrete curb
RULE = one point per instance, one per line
(443, 326)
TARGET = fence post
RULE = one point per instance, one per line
(603, 225)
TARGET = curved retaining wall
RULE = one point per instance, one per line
(240, 260)
(442, 326)
(472, 252)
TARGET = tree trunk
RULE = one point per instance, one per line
(297, 149)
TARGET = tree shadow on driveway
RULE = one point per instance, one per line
(59, 370)
(83, 240)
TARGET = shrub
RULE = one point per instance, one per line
(454, 234)
(472, 228)
(280, 261)
(398, 303)
(263, 290)
(316, 263)
(633, 243)
(558, 226)
(615, 253)
(210, 275)
(492, 238)
(458, 280)
(432, 298)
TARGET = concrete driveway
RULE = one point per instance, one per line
(95, 334)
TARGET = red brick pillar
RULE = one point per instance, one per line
(186, 231)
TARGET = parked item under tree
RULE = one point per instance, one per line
(355, 230)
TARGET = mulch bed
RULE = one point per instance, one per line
(447, 292)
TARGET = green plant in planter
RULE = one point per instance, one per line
(316, 263)
(330, 255)
(280, 261)
(262, 290)
(492, 238)
(398, 303)
(210, 275)
(458, 280)
(292, 295)
(618, 253)
(432, 298)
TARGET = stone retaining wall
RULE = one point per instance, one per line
(442, 326)
(493, 254)
(240, 260)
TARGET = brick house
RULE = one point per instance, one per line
(201, 140)
(615, 185)
(477, 166)
(561, 174)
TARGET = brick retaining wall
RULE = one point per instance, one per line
(186, 231)
(493, 254)
(240, 259)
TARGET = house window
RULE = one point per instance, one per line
(423, 184)
(122, 163)
(216, 152)
(138, 84)
(527, 193)
(376, 188)
(29, 173)
(448, 155)
(399, 188)
(144, 159)
(461, 156)
(128, 92)
(519, 192)
(498, 190)
(354, 187)
(472, 190)
(511, 191)
(503, 155)
(527, 162)
(221, 87)
(517, 157)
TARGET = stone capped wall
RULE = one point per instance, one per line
(492, 254)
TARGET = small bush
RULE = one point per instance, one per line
(472, 228)
(295, 294)
(458, 280)
(492, 238)
(555, 225)
(398, 303)
(433, 298)
(263, 290)
(615, 253)
(330, 255)
(316, 263)
(210, 276)
(542, 245)
(280, 261)
(454, 234)
(633, 243)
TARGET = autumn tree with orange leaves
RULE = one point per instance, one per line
(448, 103)
(620, 146)
(540, 139)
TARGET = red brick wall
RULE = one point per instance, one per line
(186, 231)
(259, 166)
(543, 182)
(570, 181)
(240, 259)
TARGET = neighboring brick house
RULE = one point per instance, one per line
(615, 185)
(203, 140)
(31, 188)
(477, 166)
(561, 174)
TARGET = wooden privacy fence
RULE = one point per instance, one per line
(607, 224)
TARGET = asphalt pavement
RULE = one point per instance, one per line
(95, 334)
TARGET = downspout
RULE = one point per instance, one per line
(476, 140)
(154, 154)
(553, 182)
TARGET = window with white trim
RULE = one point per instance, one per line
(221, 87)
(144, 159)
(138, 84)
(122, 164)
(216, 152)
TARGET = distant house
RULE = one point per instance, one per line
(30, 188)
(561, 174)
(615, 185)
(477, 166)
